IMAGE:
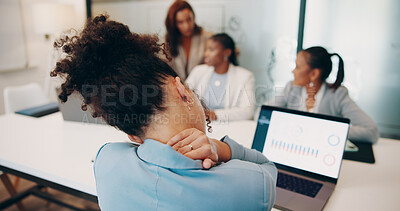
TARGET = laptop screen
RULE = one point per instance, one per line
(71, 110)
(310, 142)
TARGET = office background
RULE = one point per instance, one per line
(365, 33)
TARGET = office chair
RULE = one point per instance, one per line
(25, 96)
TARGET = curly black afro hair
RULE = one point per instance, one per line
(119, 74)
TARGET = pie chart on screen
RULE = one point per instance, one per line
(333, 140)
(329, 160)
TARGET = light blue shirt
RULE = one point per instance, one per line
(214, 95)
(154, 176)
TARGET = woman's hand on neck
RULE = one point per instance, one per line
(177, 116)
(170, 124)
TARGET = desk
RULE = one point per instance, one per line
(361, 186)
(59, 154)
(54, 152)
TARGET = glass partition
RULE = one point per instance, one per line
(265, 31)
(365, 33)
(367, 36)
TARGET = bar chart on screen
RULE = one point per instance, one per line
(294, 148)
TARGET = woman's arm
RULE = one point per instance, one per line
(196, 145)
(242, 153)
(362, 127)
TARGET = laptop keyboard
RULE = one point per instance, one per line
(298, 185)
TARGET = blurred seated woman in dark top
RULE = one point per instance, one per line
(310, 92)
(122, 79)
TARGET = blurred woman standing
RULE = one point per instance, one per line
(185, 39)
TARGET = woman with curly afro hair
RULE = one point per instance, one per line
(173, 165)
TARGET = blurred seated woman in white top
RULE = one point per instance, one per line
(227, 89)
(310, 92)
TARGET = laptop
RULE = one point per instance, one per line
(307, 149)
(71, 110)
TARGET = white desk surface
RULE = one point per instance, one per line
(61, 152)
(53, 149)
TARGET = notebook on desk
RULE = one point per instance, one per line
(364, 153)
(307, 149)
(39, 111)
